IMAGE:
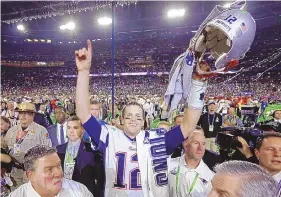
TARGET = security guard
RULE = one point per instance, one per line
(22, 137)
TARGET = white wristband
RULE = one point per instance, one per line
(196, 94)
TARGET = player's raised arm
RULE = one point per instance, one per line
(195, 104)
(83, 59)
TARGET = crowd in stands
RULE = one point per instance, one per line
(41, 101)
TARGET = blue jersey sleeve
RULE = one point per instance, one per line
(173, 139)
(93, 128)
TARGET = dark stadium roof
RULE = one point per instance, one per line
(144, 15)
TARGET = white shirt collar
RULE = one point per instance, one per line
(30, 191)
(199, 169)
(64, 124)
(275, 120)
(277, 177)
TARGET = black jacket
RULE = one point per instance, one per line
(204, 123)
(88, 169)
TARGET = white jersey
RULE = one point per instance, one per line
(134, 167)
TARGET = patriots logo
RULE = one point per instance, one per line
(201, 96)
(160, 131)
(146, 140)
(189, 59)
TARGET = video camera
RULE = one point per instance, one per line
(228, 141)
(250, 115)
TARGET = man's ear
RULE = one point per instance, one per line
(29, 175)
(185, 144)
(257, 153)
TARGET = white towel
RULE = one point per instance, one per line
(180, 80)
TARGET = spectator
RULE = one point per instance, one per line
(243, 179)
(5, 125)
(78, 163)
(57, 132)
(178, 120)
(231, 120)
(11, 113)
(6, 160)
(268, 152)
(211, 123)
(22, 137)
(164, 125)
(45, 176)
(276, 121)
(188, 174)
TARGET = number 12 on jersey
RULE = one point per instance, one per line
(134, 174)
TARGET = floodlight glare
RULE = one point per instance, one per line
(69, 26)
(105, 21)
(20, 27)
(174, 13)
(62, 27)
(227, 5)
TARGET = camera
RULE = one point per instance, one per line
(228, 139)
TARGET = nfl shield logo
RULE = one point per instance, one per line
(243, 27)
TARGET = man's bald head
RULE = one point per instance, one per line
(197, 131)
(194, 145)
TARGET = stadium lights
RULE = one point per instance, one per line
(49, 41)
(105, 21)
(20, 27)
(69, 26)
(175, 13)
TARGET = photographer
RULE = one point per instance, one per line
(276, 121)
(268, 153)
(238, 143)
(231, 120)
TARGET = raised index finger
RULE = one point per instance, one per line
(89, 43)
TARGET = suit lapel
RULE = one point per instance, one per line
(53, 135)
(80, 154)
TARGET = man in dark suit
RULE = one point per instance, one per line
(79, 162)
(43, 119)
(57, 132)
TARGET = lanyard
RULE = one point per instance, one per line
(110, 115)
(19, 139)
(70, 155)
(192, 184)
(213, 120)
(231, 119)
